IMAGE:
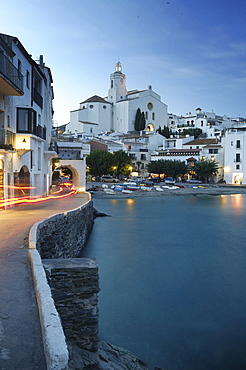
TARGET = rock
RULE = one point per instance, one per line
(97, 213)
(107, 357)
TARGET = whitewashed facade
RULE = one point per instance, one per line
(117, 111)
(191, 150)
(26, 96)
(235, 156)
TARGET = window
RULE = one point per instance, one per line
(238, 157)
(231, 143)
(8, 121)
(28, 79)
(22, 120)
(146, 115)
(212, 158)
(237, 166)
(19, 68)
(201, 123)
(153, 116)
(31, 159)
(143, 157)
(203, 158)
(150, 106)
(238, 144)
(104, 107)
(39, 158)
(112, 84)
(213, 151)
(142, 166)
(91, 106)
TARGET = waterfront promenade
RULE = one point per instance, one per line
(21, 344)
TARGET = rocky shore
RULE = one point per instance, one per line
(108, 357)
(194, 190)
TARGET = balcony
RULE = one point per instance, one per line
(37, 98)
(6, 140)
(11, 80)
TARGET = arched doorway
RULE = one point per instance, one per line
(61, 171)
(150, 127)
(22, 180)
(75, 169)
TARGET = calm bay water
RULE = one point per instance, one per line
(173, 278)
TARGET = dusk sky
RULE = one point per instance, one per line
(192, 52)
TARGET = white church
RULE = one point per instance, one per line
(117, 111)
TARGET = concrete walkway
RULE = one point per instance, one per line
(21, 344)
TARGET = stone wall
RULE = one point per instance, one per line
(74, 281)
(74, 285)
(64, 235)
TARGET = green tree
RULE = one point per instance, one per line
(156, 167)
(121, 163)
(192, 132)
(167, 167)
(205, 169)
(164, 132)
(142, 122)
(137, 119)
(99, 162)
(175, 168)
(138, 163)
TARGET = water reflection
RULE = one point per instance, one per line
(172, 279)
(235, 202)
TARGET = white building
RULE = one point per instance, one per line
(117, 111)
(211, 124)
(140, 147)
(26, 96)
(235, 155)
(189, 151)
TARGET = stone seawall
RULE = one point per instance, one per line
(74, 281)
(64, 235)
(75, 286)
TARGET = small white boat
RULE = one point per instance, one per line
(104, 186)
(126, 191)
(109, 191)
(118, 188)
(145, 188)
(159, 189)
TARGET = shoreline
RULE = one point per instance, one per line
(204, 189)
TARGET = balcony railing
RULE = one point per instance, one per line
(11, 73)
(6, 139)
(37, 98)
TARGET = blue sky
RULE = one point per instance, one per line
(192, 52)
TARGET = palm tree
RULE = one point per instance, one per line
(138, 163)
(205, 169)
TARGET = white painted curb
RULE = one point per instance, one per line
(54, 340)
(55, 346)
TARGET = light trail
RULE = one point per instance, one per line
(54, 196)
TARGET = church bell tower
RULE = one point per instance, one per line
(117, 90)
